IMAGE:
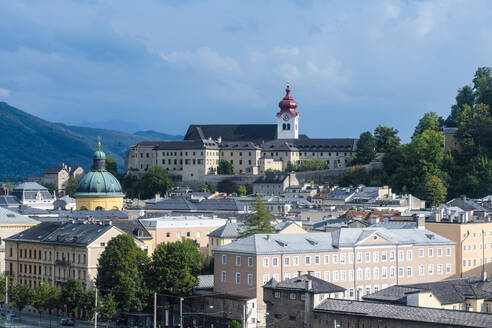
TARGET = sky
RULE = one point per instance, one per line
(163, 65)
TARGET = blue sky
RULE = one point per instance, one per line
(163, 65)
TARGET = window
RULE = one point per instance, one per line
(421, 270)
(448, 268)
(335, 276)
(286, 276)
(384, 256)
(401, 255)
(351, 258)
(188, 234)
(223, 276)
(250, 261)
(335, 259)
(276, 294)
(439, 269)
(368, 257)
(384, 273)
(359, 257)
(327, 259)
(266, 262)
(317, 274)
(238, 278)
(439, 252)
(351, 275)
(316, 259)
(368, 274)
(409, 271)
(292, 296)
(409, 255)
(375, 273)
(431, 252)
(266, 278)
(392, 272)
(448, 251)
(401, 272)
(327, 276)
(351, 292)
(368, 290)
(376, 288)
(359, 274)
(308, 260)
(287, 261)
(275, 261)
(375, 257)
(392, 255)
(343, 275)
(421, 252)
(224, 259)
(430, 268)
(296, 260)
(342, 258)
(238, 260)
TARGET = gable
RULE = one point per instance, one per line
(374, 238)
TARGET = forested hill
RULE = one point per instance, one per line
(29, 144)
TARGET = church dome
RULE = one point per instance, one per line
(99, 182)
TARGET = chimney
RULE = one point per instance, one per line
(310, 273)
(219, 139)
(299, 273)
(309, 284)
(268, 237)
(421, 222)
(157, 196)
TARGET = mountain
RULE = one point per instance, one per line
(153, 135)
(30, 144)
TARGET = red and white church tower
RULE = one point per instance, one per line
(287, 118)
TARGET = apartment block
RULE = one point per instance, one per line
(361, 260)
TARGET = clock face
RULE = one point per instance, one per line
(285, 117)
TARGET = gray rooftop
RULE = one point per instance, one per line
(319, 286)
(182, 203)
(406, 313)
(73, 234)
(8, 217)
(328, 241)
(228, 230)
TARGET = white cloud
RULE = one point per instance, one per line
(201, 58)
(392, 10)
(288, 72)
(4, 92)
(425, 20)
(293, 52)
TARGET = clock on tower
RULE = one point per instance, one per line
(287, 118)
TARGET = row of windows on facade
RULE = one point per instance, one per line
(302, 296)
(188, 234)
(481, 246)
(147, 155)
(36, 270)
(47, 255)
(362, 257)
(360, 274)
(475, 262)
(465, 235)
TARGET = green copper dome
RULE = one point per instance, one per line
(99, 182)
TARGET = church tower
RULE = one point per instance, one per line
(287, 118)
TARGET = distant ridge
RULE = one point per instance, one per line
(30, 144)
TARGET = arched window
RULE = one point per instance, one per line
(288, 126)
(99, 208)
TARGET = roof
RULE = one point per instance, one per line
(132, 227)
(98, 183)
(53, 170)
(318, 286)
(228, 230)
(74, 234)
(8, 200)
(312, 242)
(272, 177)
(232, 132)
(182, 203)
(306, 144)
(245, 145)
(30, 186)
(8, 217)
(190, 221)
(466, 205)
(407, 313)
(205, 281)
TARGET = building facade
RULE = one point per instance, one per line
(360, 260)
(251, 149)
(59, 176)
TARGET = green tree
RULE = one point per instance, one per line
(355, 176)
(112, 167)
(174, 267)
(430, 121)
(72, 295)
(88, 304)
(51, 187)
(71, 187)
(313, 164)
(260, 221)
(465, 96)
(235, 324)
(366, 149)
(225, 167)
(21, 295)
(2, 287)
(475, 129)
(155, 180)
(43, 298)
(107, 307)
(482, 86)
(435, 191)
(386, 139)
(121, 269)
(206, 188)
(241, 190)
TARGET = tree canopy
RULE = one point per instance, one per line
(366, 149)
(71, 187)
(121, 269)
(386, 139)
(225, 167)
(174, 267)
(260, 221)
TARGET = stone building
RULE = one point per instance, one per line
(250, 148)
(360, 260)
(99, 189)
(59, 176)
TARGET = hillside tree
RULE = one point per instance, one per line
(225, 167)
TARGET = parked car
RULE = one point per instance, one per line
(66, 322)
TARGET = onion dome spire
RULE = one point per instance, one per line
(287, 104)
